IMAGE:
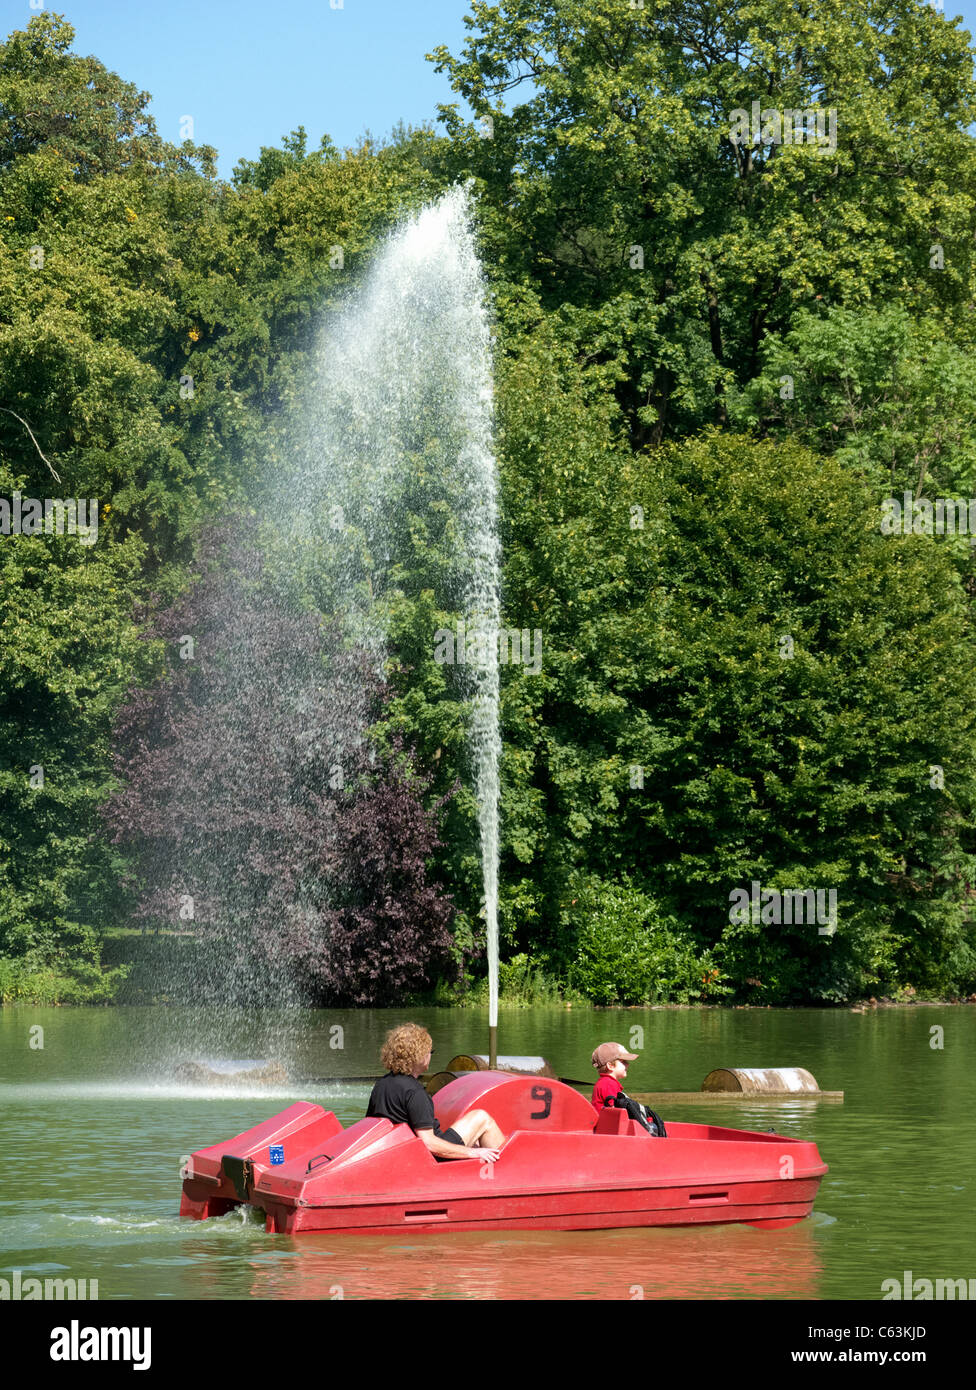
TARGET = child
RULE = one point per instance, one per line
(610, 1060)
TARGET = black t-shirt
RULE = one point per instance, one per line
(403, 1100)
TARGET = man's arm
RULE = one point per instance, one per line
(443, 1148)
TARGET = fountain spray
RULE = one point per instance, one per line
(405, 374)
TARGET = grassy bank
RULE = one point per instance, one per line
(23, 981)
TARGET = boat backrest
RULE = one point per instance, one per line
(296, 1129)
(614, 1121)
(533, 1103)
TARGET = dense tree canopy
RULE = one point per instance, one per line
(718, 350)
(53, 100)
(614, 184)
(728, 695)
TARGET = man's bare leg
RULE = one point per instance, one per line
(478, 1130)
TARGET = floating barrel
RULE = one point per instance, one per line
(522, 1066)
(440, 1078)
(762, 1081)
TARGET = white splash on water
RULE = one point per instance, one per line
(56, 1092)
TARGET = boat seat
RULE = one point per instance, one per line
(616, 1122)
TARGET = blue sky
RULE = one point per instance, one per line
(249, 71)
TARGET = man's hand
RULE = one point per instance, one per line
(486, 1155)
(443, 1148)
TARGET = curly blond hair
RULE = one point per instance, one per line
(406, 1048)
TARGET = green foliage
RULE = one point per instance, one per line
(611, 183)
(524, 983)
(72, 975)
(55, 100)
(630, 951)
(889, 397)
(272, 164)
(68, 649)
(150, 321)
(669, 735)
(814, 768)
(668, 752)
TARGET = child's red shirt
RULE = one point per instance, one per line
(605, 1089)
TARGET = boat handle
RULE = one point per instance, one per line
(312, 1161)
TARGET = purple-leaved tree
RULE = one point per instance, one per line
(260, 818)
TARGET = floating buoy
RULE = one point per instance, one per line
(762, 1081)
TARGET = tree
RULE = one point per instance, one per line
(54, 100)
(743, 679)
(618, 181)
(891, 398)
(68, 649)
(273, 163)
(259, 817)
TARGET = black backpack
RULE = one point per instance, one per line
(648, 1119)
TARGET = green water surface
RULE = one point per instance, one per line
(93, 1130)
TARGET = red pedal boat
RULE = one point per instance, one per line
(557, 1170)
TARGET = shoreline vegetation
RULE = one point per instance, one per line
(132, 983)
(45, 1000)
(738, 766)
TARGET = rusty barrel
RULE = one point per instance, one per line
(762, 1081)
(522, 1066)
(433, 1083)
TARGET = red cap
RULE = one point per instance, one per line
(612, 1052)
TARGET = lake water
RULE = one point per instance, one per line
(94, 1128)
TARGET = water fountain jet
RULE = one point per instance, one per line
(402, 413)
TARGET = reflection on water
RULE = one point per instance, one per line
(711, 1262)
(94, 1129)
(231, 1257)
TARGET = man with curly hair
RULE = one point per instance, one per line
(399, 1096)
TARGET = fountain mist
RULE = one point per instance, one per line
(400, 433)
(393, 490)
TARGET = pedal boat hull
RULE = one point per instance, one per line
(556, 1171)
